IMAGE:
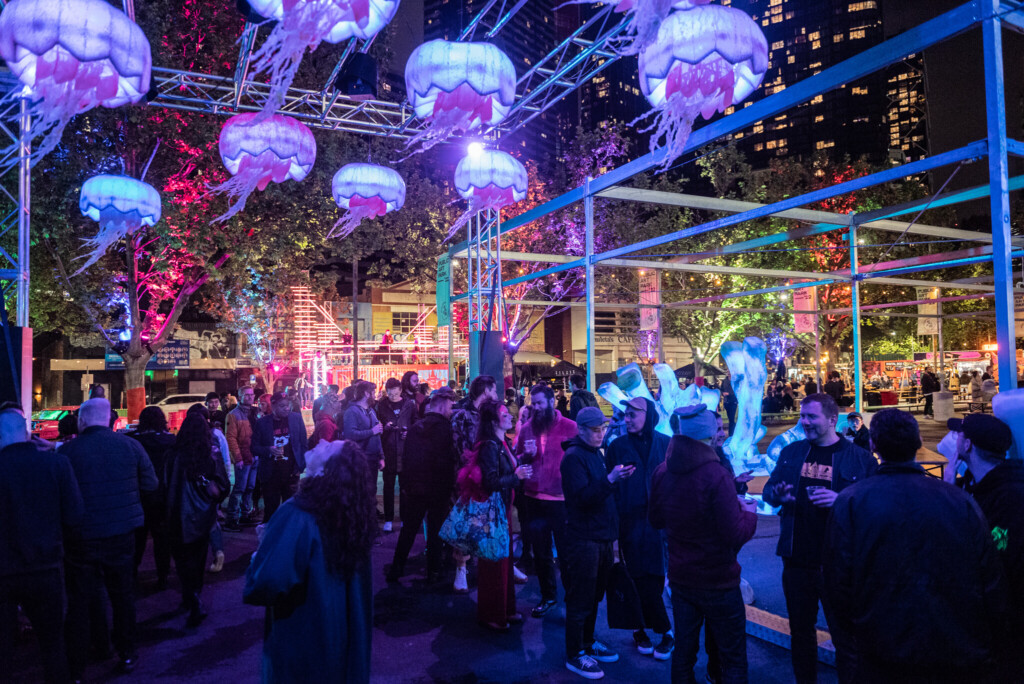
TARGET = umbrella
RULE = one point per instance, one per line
(706, 370)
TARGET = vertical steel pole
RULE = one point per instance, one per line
(355, 319)
(942, 354)
(588, 212)
(661, 330)
(858, 385)
(817, 338)
(999, 194)
(24, 213)
(451, 326)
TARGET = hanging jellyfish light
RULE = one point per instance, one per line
(488, 179)
(121, 205)
(367, 191)
(458, 88)
(258, 152)
(72, 55)
(704, 59)
(304, 24)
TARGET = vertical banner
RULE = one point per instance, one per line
(803, 300)
(650, 299)
(443, 294)
(1018, 314)
(928, 324)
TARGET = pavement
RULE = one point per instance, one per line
(422, 634)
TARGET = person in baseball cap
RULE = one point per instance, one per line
(989, 434)
(590, 417)
(695, 422)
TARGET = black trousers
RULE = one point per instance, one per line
(91, 565)
(545, 520)
(154, 526)
(41, 597)
(416, 506)
(390, 475)
(803, 589)
(652, 601)
(730, 412)
(587, 564)
(928, 410)
(190, 563)
(278, 487)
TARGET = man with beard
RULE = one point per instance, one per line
(543, 505)
(641, 545)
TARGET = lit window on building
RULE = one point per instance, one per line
(861, 6)
(859, 90)
(859, 33)
(778, 45)
(824, 144)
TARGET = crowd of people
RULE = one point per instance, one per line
(921, 580)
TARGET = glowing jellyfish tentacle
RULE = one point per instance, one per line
(367, 191)
(121, 205)
(71, 56)
(671, 396)
(746, 363)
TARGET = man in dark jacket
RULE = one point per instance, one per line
(279, 443)
(396, 414)
(911, 571)
(39, 499)
(929, 385)
(581, 398)
(428, 477)
(694, 500)
(997, 485)
(112, 472)
(642, 547)
(805, 482)
(591, 528)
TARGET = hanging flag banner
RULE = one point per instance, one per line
(803, 300)
(1018, 309)
(650, 299)
(928, 324)
(443, 295)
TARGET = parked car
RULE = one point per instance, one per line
(180, 402)
(46, 422)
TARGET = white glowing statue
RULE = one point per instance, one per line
(746, 362)
(1008, 407)
(631, 384)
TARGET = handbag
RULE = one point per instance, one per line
(623, 600)
(479, 528)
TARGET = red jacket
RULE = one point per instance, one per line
(693, 498)
(547, 474)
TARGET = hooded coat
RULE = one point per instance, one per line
(642, 546)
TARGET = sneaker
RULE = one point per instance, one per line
(218, 562)
(518, 575)
(599, 651)
(663, 651)
(388, 527)
(543, 608)
(585, 666)
(643, 644)
(461, 585)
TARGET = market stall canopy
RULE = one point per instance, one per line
(535, 358)
(706, 370)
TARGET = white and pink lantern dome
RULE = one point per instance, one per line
(488, 179)
(304, 24)
(705, 59)
(458, 88)
(255, 153)
(71, 56)
(121, 205)
(366, 191)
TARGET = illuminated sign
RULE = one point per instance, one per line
(990, 347)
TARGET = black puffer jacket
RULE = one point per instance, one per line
(430, 461)
(589, 496)
(911, 571)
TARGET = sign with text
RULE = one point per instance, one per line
(1018, 309)
(803, 300)
(928, 324)
(650, 299)
(443, 295)
(174, 354)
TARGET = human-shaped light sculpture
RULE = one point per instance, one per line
(257, 152)
(458, 88)
(71, 56)
(366, 191)
(304, 24)
(489, 179)
(704, 59)
(1008, 406)
(121, 205)
(746, 363)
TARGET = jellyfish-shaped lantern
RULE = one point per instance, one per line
(489, 179)
(304, 24)
(367, 191)
(704, 59)
(645, 16)
(121, 205)
(72, 55)
(458, 87)
(258, 152)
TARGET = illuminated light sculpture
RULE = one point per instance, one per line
(746, 362)
(1008, 406)
(304, 24)
(72, 55)
(645, 18)
(367, 191)
(704, 59)
(458, 88)
(258, 152)
(121, 205)
(779, 345)
(489, 179)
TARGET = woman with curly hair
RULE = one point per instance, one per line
(312, 572)
(196, 484)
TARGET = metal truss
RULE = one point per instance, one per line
(486, 309)
(15, 205)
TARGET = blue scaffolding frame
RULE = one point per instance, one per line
(989, 15)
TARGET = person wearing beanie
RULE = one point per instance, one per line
(693, 498)
(642, 547)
